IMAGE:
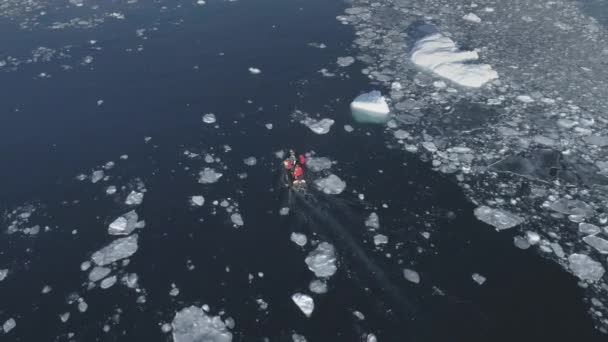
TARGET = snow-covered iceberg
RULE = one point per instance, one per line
(439, 54)
(370, 108)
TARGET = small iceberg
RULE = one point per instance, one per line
(370, 108)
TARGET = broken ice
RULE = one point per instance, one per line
(317, 164)
(134, 198)
(237, 219)
(209, 118)
(197, 200)
(439, 54)
(208, 176)
(598, 243)
(299, 239)
(9, 325)
(192, 324)
(411, 275)
(331, 185)
(250, 161)
(3, 274)
(370, 108)
(585, 267)
(318, 286)
(345, 61)
(125, 224)
(498, 218)
(373, 221)
(322, 260)
(117, 250)
(318, 126)
(304, 302)
(478, 278)
(98, 273)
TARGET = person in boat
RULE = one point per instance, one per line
(294, 167)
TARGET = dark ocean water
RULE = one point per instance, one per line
(52, 129)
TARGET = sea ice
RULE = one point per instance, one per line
(317, 164)
(116, 250)
(380, 239)
(208, 176)
(411, 275)
(322, 260)
(472, 17)
(192, 324)
(372, 221)
(588, 228)
(318, 126)
(439, 54)
(299, 239)
(304, 302)
(237, 219)
(585, 267)
(134, 198)
(108, 282)
(345, 61)
(331, 185)
(250, 161)
(97, 176)
(370, 108)
(318, 286)
(3, 274)
(298, 338)
(98, 273)
(209, 118)
(598, 243)
(255, 71)
(9, 325)
(478, 278)
(125, 224)
(498, 218)
(197, 200)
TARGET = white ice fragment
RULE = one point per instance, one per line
(98, 273)
(345, 61)
(322, 260)
(134, 198)
(299, 239)
(192, 324)
(371, 338)
(237, 219)
(46, 289)
(472, 17)
(304, 302)
(209, 118)
(411, 275)
(401, 134)
(331, 185)
(524, 99)
(209, 176)
(284, 211)
(99, 102)
(125, 224)
(83, 306)
(250, 161)
(532, 237)
(370, 108)
(298, 338)
(111, 190)
(588, 228)
(317, 164)
(318, 286)
(380, 239)
(197, 200)
(498, 218)
(585, 267)
(268, 126)
(478, 278)
(598, 243)
(318, 126)
(521, 242)
(97, 176)
(372, 221)
(255, 71)
(118, 249)
(9, 325)
(166, 328)
(108, 282)
(3, 274)
(439, 54)
(348, 128)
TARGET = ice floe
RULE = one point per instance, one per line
(134, 198)
(411, 275)
(322, 260)
(3, 274)
(108, 282)
(209, 118)
(98, 273)
(237, 220)
(254, 71)
(304, 302)
(584, 267)
(601, 245)
(372, 221)
(498, 218)
(318, 286)
(478, 278)
(370, 108)
(209, 176)
(197, 200)
(192, 324)
(317, 164)
(439, 54)
(118, 249)
(472, 17)
(9, 325)
(299, 239)
(318, 126)
(331, 185)
(125, 224)
(345, 61)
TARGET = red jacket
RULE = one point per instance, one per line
(295, 169)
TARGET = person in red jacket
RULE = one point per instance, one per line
(294, 167)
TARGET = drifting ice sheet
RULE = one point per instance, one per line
(370, 108)
(331, 185)
(193, 325)
(117, 250)
(322, 260)
(304, 302)
(439, 54)
(499, 219)
(318, 126)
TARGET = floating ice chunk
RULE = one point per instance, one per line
(255, 71)
(304, 302)
(532, 237)
(598, 243)
(345, 61)
(116, 250)
(360, 316)
(108, 282)
(298, 338)
(9, 325)
(472, 17)
(322, 260)
(237, 219)
(98, 273)
(521, 242)
(284, 211)
(3, 274)
(318, 126)
(46, 289)
(125, 224)
(331, 185)
(380, 239)
(299, 239)
(401, 134)
(348, 128)
(64, 317)
(197, 200)
(83, 306)
(317, 164)
(439, 54)
(588, 228)
(111, 190)
(192, 324)
(250, 161)
(585, 267)
(498, 218)
(478, 278)
(208, 176)
(130, 280)
(166, 328)
(370, 108)
(524, 99)
(268, 126)
(209, 118)
(373, 221)
(97, 176)
(572, 207)
(134, 198)
(429, 146)
(318, 286)
(411, 275)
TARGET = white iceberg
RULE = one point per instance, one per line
(318, 126)
(208, 176)
(197, 200)
(119, 249)
(209, 118)
(237, 219)
(255, 71)
(318, 286)
(373, 221)
(331, 185)
(439, 54)
(498, 218)
(370, 108)
(472, 17)
(192, 324)
(98, 273)
(125, 224)
(304, 302)
(322, 260)
(317, 164)
(299, 239)
(411, 275)
(9, 325)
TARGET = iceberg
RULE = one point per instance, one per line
(9, 325)
(322, 260)
(3, 274)
(237, 219)
(108, 282)
(439, 54)
(331, 185)
(209, 118)
(192, 324)
(373, 221)
(370, 108)
(304, 302)
(119, 249)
